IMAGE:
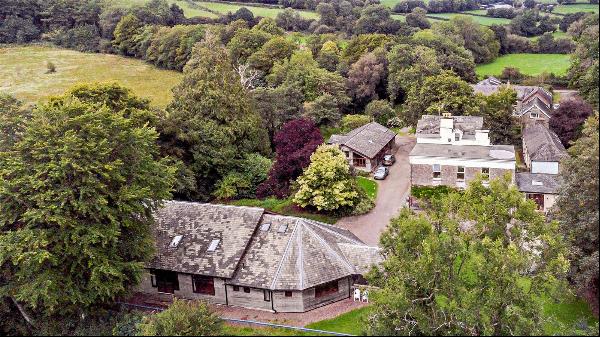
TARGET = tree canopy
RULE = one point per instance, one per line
(476, 262)
(78, 189)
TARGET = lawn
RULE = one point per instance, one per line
(225, 8)
(238, 330)
(486, 21)
(368, 185)
(568, 9)
(528, 64)
(23, 73)
(351, 322)
(285, 207)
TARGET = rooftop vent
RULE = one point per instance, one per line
(213, 245)
(265, 227)
(176, 240)
(282, 229)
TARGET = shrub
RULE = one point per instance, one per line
(351, 122)
(243, 184)
(381, 111)
(183, 318)
(51, 67)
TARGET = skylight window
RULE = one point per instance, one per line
(265, 227)
(537, 183)
(282, 229)
(176, 240)
(213, 245)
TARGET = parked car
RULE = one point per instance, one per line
(381, 173)
(389, 159)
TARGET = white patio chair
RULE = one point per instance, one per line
(356, 295)
(365, 296)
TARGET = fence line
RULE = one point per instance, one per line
(249, 322)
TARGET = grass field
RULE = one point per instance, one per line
(23, 73)
(528, 64)
(193, 10)
(486, 21)
(567, 9)
(225, 8)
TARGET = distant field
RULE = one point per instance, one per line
(399, 17)
(22, 73)
(486, 21)
(567, 9)
(191, 10)
(557, 34)
(529, 64)
(225, 8)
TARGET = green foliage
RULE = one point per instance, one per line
(351, 122)
(584, 68)
(324, 110)
(329, 56)
(327, 184)
(430, 193)
(497, 113)
(242, 184)
(246, 42)
(577, 210)
(277, 48)
(183, 318)
(13, 117)
(464, 31)
(268, 25)
(128, 324)
(125, 32)
(440, 94)
(408, 67)
(221, 127)
(475, 263)
(69, 186)
(380, 110)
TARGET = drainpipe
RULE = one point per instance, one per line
(226, 298)
(272, 302)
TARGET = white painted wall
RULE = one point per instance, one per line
(499, 164)
(544, 167)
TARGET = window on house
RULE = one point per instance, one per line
(359, 161)
(538, 198)
(437, 171)
(288, 294)
(456, 137)
(153, 279)
(534, 114)
(247, 290)
(203, 285)
(166, 281)
(236, 288)
(326, 289)
(460, 173)
(347, 154)
(267, 295)
(485, 173)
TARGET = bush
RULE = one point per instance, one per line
(429, 193)
(351, 122)
(242, 184)
(128, 325)
(183, 318)
(51, 68)
(381, 111)
(512, 74)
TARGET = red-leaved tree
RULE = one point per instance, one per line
(294, 144)
(567, 121)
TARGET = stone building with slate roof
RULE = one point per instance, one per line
(244, 256)
(452, 151)
(365, 146)
(542, 153)
(534, 104)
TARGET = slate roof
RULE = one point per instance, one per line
(537, 183)
(368, 140)
(308, 253)
(536, 102)
(488, 153)
(522, 90)
(429, 125)
(200, 224)
(538, 90)
(542, 144)
(490, 81)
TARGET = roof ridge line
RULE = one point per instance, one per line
(285, 253)
(301, 258)
(323, 226)
(351, 268)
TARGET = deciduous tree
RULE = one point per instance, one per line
(567, 121)
(475, 263)
(577, 210)
(77, 193)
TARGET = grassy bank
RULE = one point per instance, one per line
(528, 64)
(23, 73)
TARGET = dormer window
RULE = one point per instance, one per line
(535, 114)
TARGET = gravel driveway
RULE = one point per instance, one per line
(391, 196)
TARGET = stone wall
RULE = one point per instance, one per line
(423, 175)
(311, 302)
